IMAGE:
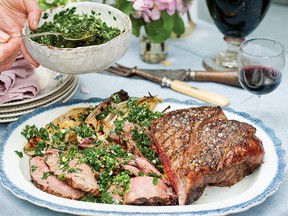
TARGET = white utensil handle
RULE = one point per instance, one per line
(200, 94)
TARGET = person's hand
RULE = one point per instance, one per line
(13, 14)
(8, 50)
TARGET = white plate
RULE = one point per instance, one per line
(49, 83)
(63, 95)
(39, 102)
(249, 192)
(67, 94)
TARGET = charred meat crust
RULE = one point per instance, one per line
(201, 147)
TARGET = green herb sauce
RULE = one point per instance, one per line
(74, 25)
(105, 157)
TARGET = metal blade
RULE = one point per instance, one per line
(222, 77)
(172, 74)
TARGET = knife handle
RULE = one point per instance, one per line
(201, 94)
(224, 77)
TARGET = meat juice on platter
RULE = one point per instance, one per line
(237, 18)
(260, 80)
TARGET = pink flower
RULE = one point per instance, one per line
(147, 13)
(155, 13)
(182, 7)
(142, 5)
(171, 8)
(151, 9)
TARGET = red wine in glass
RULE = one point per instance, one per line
(235, 19)
(260, 62)
(260, 80)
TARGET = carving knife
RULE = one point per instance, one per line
(222, 77)
(176, 85)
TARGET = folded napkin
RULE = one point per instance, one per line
(19, 82)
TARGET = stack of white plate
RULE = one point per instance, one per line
(54, 87)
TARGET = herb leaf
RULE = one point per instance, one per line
(19, 153)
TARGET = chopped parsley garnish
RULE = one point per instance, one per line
(53, 127)
(144, 144)
(118, 126)
(58, 138)
(46, 174)
(33, 168)
(40, 149)
(61, 177)
(102, 115)
(141, 115)
(74, 170)
(30, 131)
(116, 98)
(67, 156)
(155, 178)
(74, 25)
(19, 153)
(85, 131)
(106, 160)
(93, 141)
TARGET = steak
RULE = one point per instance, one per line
(50, 183)
(144, 192)
(201, 147)
(79, 175)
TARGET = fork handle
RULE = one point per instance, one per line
(38, 35)
(195, 92)
(33, 35)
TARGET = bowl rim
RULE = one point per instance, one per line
(70, 5)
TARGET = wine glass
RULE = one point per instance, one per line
(235, 19)
(260, 65)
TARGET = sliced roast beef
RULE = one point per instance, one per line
(116, 193)
(81, 176)
(125, 139)
(200, 147)
(143, 191)
(141, 165)
(144, 165)
(78, 175)
(43, 178)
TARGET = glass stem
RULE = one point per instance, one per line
(228, 58)
(233, 43)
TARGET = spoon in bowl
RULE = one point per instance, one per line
(51, 33)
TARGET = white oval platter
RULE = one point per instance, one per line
(251, 191)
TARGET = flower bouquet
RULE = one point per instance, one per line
(160, 18)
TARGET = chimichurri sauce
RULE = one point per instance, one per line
(74, 25)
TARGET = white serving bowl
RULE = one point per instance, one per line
(86, 59)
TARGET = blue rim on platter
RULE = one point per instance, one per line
(248, 203)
